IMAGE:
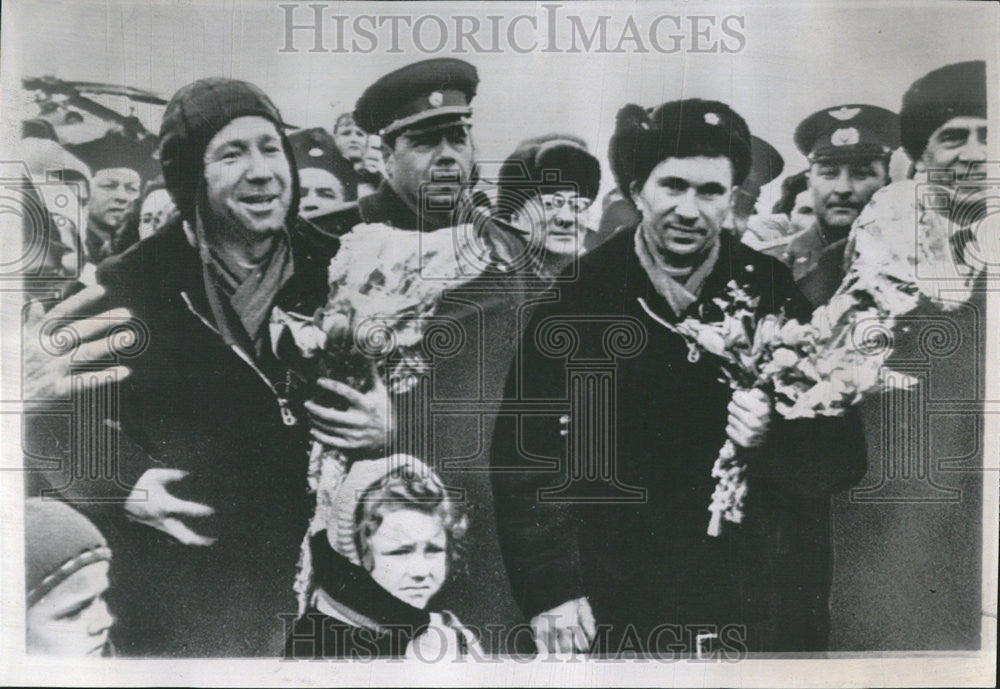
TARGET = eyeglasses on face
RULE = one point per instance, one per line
(576, 203)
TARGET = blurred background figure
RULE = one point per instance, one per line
(618, 212)
(765, 165)
(544, 190)
(319, 192)
(120, 165)
(56, 195)
(764, 232)
(66, 577)
(849, 148)
(340, 152)
(157, 209)
(371, 168)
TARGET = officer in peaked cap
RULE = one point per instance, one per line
(848, 147)
(943, 130)
(425, 95)
(423, 114)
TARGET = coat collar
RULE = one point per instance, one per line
(386, 206)
(735, 262)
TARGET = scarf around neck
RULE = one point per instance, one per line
(679, 296)
(241, 304)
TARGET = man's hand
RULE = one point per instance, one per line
(749, 417)
(66, 336)
(566, 628)
(364, 428)
(150, 503)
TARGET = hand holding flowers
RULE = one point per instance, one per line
(749, 417)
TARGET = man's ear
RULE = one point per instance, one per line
(634, 190)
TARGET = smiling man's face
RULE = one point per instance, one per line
(683, 203)
(248, 176)
(958, 146)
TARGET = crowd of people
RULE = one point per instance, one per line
(460, 526)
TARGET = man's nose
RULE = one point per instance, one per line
(447, 154)
(259, 167)
(564, 216)
(687, 206)
(843, 183)
(974, 150)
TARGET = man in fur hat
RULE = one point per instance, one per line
(602, 498)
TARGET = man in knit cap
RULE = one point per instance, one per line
(211, 460)
(66, 577)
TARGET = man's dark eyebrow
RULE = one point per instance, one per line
(954, 132)
(675, 182)
(711, 188)
(233, 143)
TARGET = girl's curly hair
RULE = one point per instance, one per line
(406, 487)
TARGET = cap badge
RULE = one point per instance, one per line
(315, 152)
(845, 137)
(436, 99)
(711, 118)
(843, 114)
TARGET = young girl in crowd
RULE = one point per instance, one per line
(395, 519)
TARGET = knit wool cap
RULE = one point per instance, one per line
(195, 114)
(545, 164)
(677, 129)
(362, 476)
(957, 90)
(59, 541)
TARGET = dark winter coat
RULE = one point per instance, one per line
(632, 537)
(194, 403)
(449, 419)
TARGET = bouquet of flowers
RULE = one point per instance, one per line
(385, 285)
(823, 367)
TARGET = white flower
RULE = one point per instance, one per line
(785, 357)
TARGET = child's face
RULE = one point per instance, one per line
(409, 555)
(72, 619)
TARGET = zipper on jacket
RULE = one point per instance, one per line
(287, 416)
